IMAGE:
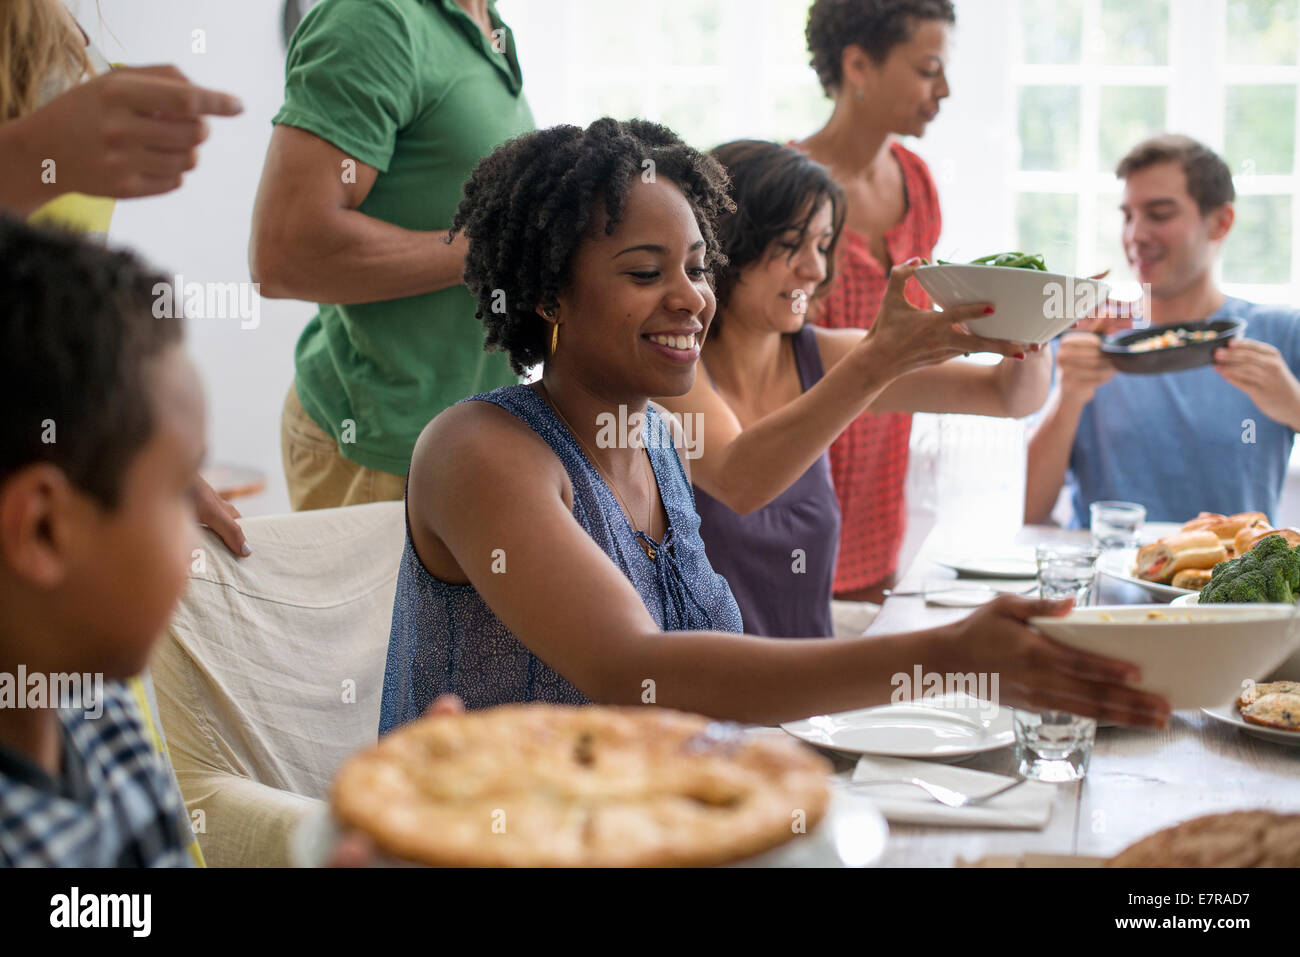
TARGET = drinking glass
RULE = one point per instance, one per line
(1053, 745)
(1067, 571)
(1117, 524)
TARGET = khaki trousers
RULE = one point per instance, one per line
(317, 473)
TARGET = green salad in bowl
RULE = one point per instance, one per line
(1006, 260)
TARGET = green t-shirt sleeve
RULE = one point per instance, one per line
(350, 78)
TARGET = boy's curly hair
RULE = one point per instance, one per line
(528, 203)
(877, 26)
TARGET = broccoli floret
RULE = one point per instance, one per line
(1269, 572)
(1277, 574)
(1250, 585)
(1268, 547)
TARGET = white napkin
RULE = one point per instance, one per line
(1028, 806)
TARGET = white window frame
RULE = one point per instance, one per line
(979, 187)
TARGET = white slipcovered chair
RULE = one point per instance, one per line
(272, 671)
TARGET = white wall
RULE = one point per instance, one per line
(201, 230)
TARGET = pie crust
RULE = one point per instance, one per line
(1235, 839)
(537, 785)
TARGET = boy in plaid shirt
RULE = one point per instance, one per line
(101, 438)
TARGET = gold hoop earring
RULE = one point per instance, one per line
(549, 315)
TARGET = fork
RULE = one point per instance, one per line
(945, 796)
(934, 591)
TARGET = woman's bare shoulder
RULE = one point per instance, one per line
(834, 344)
(470, 438)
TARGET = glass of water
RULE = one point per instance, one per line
(1117, 524)
(1067, 571)
(1053, 745)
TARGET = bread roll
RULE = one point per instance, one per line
(1249, 537)
(1194, 549)
(1227, 528)
(1204, 520)
(1193, 578)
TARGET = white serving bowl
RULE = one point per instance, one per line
(1197, 656)
(1289, 670)
(1029, 305)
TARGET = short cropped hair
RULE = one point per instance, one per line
(877, 26)
(1209, 181)
(79, 334)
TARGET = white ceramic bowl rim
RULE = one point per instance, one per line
(1127, 616)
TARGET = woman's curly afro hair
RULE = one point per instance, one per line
(877, 26)
(529, 202)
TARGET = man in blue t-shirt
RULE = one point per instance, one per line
(1217, 438)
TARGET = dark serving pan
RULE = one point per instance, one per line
(1118, 347)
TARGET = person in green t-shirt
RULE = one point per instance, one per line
(389, 105)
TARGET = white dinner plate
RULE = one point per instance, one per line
(1228, 714)
(945, 726)
(852, 833)
(1118, 563)
(1003, 566)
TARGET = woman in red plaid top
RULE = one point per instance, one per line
(882, 61)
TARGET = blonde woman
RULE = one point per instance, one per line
(76, 135)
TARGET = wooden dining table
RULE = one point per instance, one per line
(1138, 780)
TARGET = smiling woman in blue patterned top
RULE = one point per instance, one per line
(551, 554)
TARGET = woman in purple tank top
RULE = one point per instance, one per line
(779, 390)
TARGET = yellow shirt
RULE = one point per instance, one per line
(80, 213)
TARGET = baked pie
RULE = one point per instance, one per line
(537, 785)
(1235, 839)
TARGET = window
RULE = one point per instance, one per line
(1091, 78)
(1046, 97)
